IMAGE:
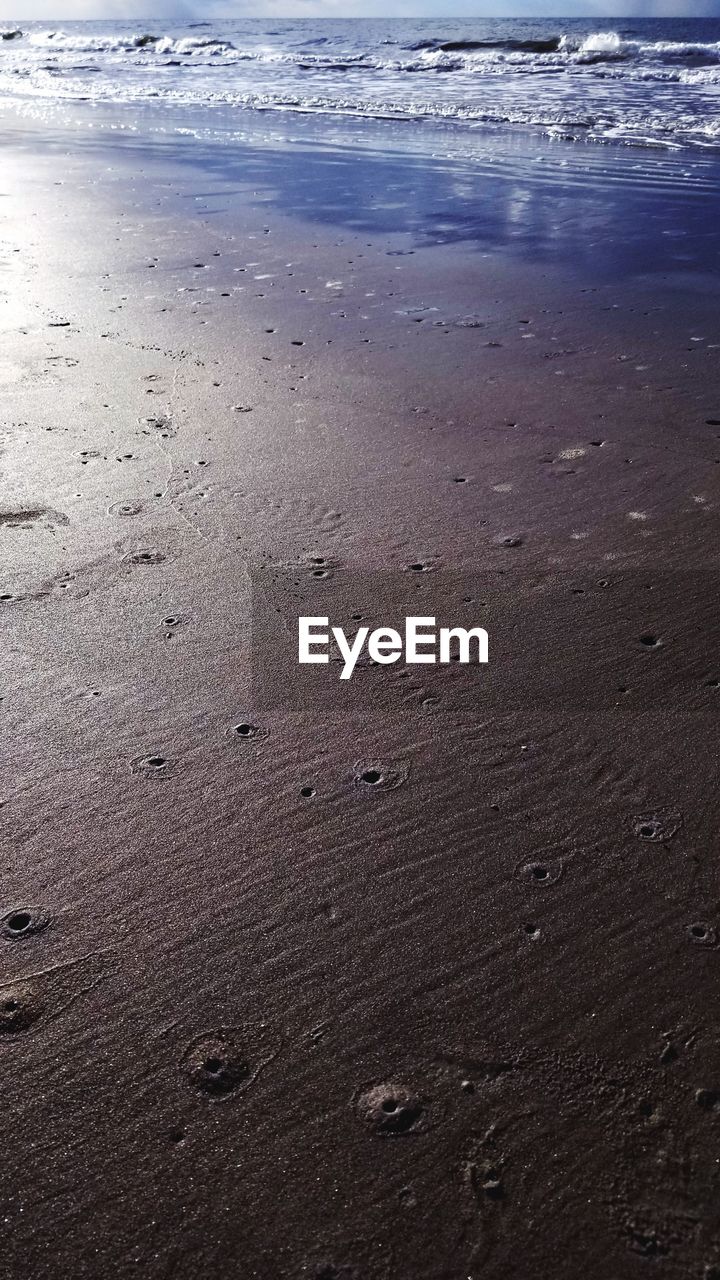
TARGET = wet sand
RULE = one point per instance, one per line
(410, 978)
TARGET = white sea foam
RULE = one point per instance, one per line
(602, 42)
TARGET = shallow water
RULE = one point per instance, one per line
(593, 212)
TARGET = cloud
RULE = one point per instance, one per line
(57, 11)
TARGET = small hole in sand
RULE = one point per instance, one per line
(244, 730)
(650, 641)
(371, 777)
(307, 792)
(540, 873)
(157, 762)
(19, 921)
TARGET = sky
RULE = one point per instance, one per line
(67, 10)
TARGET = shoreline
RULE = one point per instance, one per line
(227, 370)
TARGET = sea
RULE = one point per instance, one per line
(634, 82)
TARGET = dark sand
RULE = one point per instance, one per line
(461, 1022)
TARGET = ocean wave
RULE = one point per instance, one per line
(430, 55)
(601, 42)
(472, 46)
(629, 84)
(150, 44)
(570, 48)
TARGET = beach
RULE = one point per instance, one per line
(411, 976)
